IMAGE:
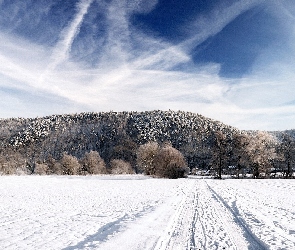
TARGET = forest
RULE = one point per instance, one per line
(169, 144)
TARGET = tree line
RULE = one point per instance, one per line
(133, 142)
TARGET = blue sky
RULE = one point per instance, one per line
(229, 60)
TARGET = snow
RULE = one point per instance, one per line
(137, 212)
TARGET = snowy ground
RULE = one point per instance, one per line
(135, 212)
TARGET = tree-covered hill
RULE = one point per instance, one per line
(112, 134)
(204, 142)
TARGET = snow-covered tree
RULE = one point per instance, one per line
(41, 169)
(146, 154)
(69, 165)
(170, 163)
(93, 164)
(220, 148)
(239, 154)
(287, 151)
(119, 166)
(261, 151)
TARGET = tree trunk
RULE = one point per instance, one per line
(220, 167)
(288, 170)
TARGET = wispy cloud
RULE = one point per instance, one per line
(118, 35)
(208, 25)
(137, 71)
(61, 50)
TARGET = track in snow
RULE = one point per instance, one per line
(204, 223)
(253, 242)
(207, 221)
(264, 208)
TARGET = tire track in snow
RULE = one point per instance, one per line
(213, 228)
(254, 243)
(179, 229)
(199, 213)
(200, 223)
(158, 228)
(260, 214)
(195, 218)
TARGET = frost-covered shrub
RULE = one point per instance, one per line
(40, 169)
(5, 169)
(146, 154)
(13, 167)
(121, 167)
(170, 163)
(93, 164)
(53, 166)
(261, 153)
(69, 165)
(165, 161)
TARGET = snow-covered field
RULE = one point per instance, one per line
(136, 212)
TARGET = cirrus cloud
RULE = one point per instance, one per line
(135, 68)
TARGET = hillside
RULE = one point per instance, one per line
(279, 134)
(206, 144)
(112, 134)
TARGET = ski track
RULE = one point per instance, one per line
(253, 242)
(136, 212)
(264, 208)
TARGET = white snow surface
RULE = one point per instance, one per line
(137, 212)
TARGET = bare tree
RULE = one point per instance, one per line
(239, 154)
(220, 151)
(287, 151)
(41, 169)
(53, 166)
(261, 152)
(69, 165)
(146, 154)
(119, 166)
(93, 163)
(170, 163)
(31, 158)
